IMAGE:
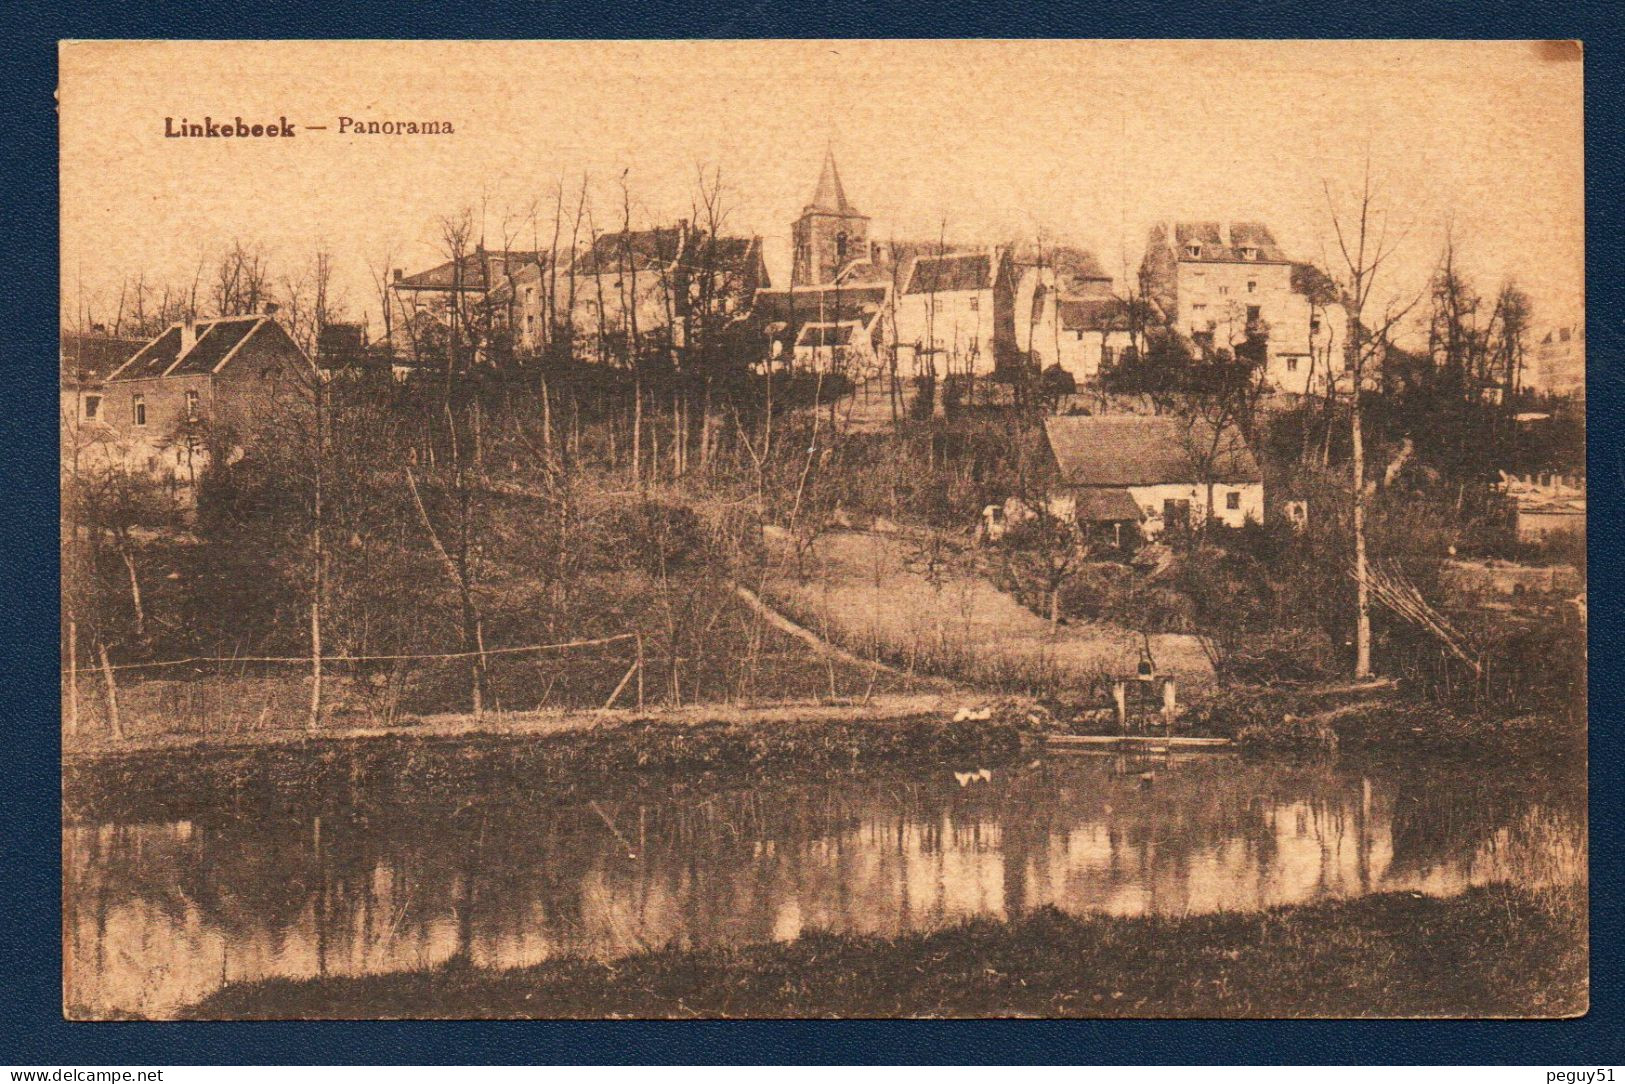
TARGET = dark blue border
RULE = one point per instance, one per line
(31, 1028)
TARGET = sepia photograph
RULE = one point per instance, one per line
(823, 528)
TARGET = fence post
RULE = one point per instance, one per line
(1120, 698)
(112, 693)
(640, 671)
(1170, 703)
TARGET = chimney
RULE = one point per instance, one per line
(1224, 234)
(399, 274)
(188, 335)
(271, 308)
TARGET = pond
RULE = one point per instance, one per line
(157, 916)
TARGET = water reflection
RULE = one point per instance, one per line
(159, 915)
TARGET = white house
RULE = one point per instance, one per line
(1228, 286)
(1162, 465)
(944, 313)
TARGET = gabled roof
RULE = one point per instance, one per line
(830, 197)
(215, 343)
(1221, 245)
(1137, 450)
(1093, 313)
(637, 250)
(476, 272)
(783, 314)
(90, 358)
(950, 272)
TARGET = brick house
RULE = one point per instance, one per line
(233, 378)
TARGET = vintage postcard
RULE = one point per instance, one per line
(823, 528)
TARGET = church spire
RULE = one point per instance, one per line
(829, 196)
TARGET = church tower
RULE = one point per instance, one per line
(830, 232)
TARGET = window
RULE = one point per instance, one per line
(93, 407)
(1200, 306)
(1254, 312)
(191, 406)
(1107, 356)
(975, 304)
(138, 409)
(1194, 251)
(1252, 286)
(1249, 253)
(1291, 365)
(1224, 291)
(530, 294)
(1314, 326)
(1232, 500)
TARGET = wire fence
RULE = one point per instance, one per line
(228, 695)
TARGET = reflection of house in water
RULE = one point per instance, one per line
(159, 914)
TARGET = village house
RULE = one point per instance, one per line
(668, 286)
(1154, 472)
(86, 361)
(461, 296)
(232, 379)
(1559, 366)
(1040, 283)
(1229, 286)
(944, 313)
(830, 328)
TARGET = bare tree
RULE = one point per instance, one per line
(1365, 249)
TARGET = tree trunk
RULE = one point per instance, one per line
(112, 694)
(73, 677)
(1362, 585)
(135, 588)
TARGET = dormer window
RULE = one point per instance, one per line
(1194, 251)
(1248, 252)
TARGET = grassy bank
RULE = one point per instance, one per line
(1380, 717)
(1491, 952)
(404, 768)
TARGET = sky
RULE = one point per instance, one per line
(1085, 143)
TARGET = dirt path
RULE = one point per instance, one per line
(871, 592)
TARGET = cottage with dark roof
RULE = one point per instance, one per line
(236, 376)
(1171, 469)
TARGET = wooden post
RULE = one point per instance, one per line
(1170, 703)
(1120, 698)
(112, 694)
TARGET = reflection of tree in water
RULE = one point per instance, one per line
(502, 883)
(1447, 815)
